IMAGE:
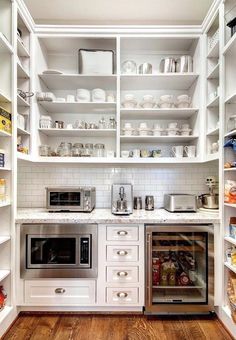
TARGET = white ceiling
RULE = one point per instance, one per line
(119, 12)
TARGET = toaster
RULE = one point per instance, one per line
(180, 203)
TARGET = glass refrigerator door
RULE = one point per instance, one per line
(179, 267)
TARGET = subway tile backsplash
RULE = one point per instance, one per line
(156, 181)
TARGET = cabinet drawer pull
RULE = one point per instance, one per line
(122, 232)
(121, 274)
(122, 252)
(122, 295)
(60, 290)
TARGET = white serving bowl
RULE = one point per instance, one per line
(157, 132)
(147, 105)
(182, 105)
(167, 98)
(129, 97)
(185, 132)
(163, 105)
(148, 98)
(128, 132)
(144, 132)
(129, 104)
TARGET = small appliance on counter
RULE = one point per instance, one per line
(138, 204)
(149, 203)
(180, 203)
(122, 199)
(209, 202)
(67, 199)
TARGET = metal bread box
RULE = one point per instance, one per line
(96, 61)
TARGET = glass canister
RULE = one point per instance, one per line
(102, 123)
(88, 150)
(2, 189)
(112, 123)
(64, 149)
(77, 149)
(44, 150)
(231, 123)
(99, 150)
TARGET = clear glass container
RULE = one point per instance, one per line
(64, 149)
(129, 67)
(99, 150)
(231, 123)
(112, 123)
(2, 189)
(77, 149)
(102, 123)
(44, 150)
(88, 150)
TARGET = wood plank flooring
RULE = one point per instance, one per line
(115, 327)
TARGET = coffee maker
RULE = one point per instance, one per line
(122, 199)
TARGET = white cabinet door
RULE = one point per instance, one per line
(59, 292)
(122, 275)
(122, 233)
(122, 253)
(122, 296)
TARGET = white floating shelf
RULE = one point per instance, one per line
(213, 132)
(3, 274)
(23, 156)
(5, 168)
(79, 132)
(58, 107)
(97, 160)
(231, 133)
(21, 72)
(21, 49)
(154, 139)
(4, 134)
(5, 204)
(5, 46)
(230, 240)
(5, 312)
(230, 169)
(162, 81)
(231, 99)
(214, 102)
(74, 81)
(231, 205)
(214, 51)
(231, 44)
(214, 73)
(157, 113)
(4, 239)
(4, 98)
(212, 157)
(230, 266)
(22, 102)
(22, 132)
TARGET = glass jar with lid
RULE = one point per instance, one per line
(88, 150)
(102, 123)
(44, 150)
(112, 123)
(77, 149)
(231, 123)
(64, 149)
(99, 150)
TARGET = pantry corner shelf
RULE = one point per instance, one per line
(213, 132)
(214, 51)
(231, 133)
(157, 113)
(78, 107)
(21, 72)
(5, 168)
(231, 44)
(21, 49)
(5, 204)
(147, 139)
(212, 157)
(23, 156)
(230, 266)
(78, 132)
(231, 99)
(4, 134)
(22, 102)
(214, 73)
(22, 132)
(231, 205)
(4, 98)
(230, 169)
(161, 81)
(230, 240)
(5, 46)
(214, 102)
(4, 273)
(4, 239)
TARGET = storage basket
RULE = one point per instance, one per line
(96, 61)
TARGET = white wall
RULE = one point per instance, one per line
(33, 179)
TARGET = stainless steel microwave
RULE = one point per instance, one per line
(81, 199)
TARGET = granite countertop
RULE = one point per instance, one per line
(39, 215)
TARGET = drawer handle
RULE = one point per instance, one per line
(122, 232)
(122, 295)
(122, 252)
(60, 290)
(121, 274)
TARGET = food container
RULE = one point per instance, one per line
(99, 150)
(2, 158)
(59, 124)
(185, 132)
(98, 96)
(173, 125)
(184, 64)
(5, 120)
(45, 122)
(64, 150)
(145, 153)
(2, 189)
(129, 67)
(44, 150)
(110, 98)
(112, 123)
(77, 149)
(88, 150)
(147, 105)
(167, 65)
(231, 123)
(20, 121)
(143, 125)
(166, 101)
(98, 61)
(145, 68)
(184, 126)
(83, 95)
(156, 153)
(172, 132)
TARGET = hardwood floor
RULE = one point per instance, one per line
(114, 327)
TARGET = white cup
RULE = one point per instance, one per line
(185, 126)
(148, 98)
(124, 153)
(69, 126)
(110, 154)
(172, 125)
(129, 96)
(178, 151)
(128, 126)
(143, 125)
(136, 153)
(70, 98)
(190, 150)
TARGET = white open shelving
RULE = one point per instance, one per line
(76, 107)
(157, 113)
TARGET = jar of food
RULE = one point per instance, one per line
(2, 158)
(112, 123)
(44, 150)
(231, 123)
(59, 124)
(88, 150)
(77, 149)
(99, 150)
(64, 149)
(2, 189)
(3, 298)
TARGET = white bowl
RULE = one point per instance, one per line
(172, 132)
(127, 126)
(145, 132)
(182, 105)
(167, 98)
(148, 98)
(183, 98)
(129, 97)
(184, 126)
(147, 105)
(129, 104)
(83, 95)
(128, 132)
(165, 105)
(143, 125)
(157, 132)
(173, 125)
(157, 127)
(185, 132)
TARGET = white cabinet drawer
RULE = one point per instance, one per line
(122, 296)
(122, 253)
(122, 274)
(122, 233)
(58, 292)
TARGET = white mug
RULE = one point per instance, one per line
(70, 98)
(178, 151)
(136, 153)
(124, 153)
(69, 126)
(190, 150)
